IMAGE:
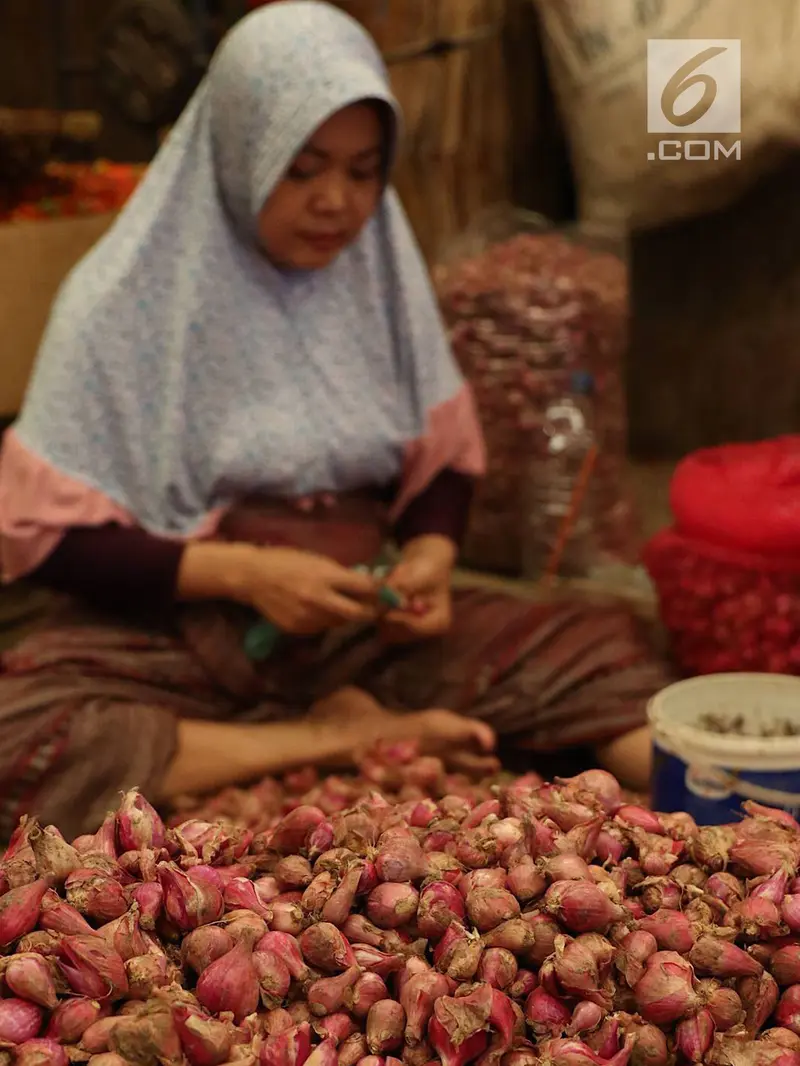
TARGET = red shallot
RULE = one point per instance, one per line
(580, 905)
(397, 919)
(19, 1021)
(665, 993)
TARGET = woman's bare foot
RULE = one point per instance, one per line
(464, 744)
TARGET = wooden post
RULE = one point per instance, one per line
(448, 69)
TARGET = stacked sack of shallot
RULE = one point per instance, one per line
(550, 924)
(523, 314)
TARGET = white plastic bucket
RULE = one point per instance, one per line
(707, 773)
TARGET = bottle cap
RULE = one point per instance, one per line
(582, 383)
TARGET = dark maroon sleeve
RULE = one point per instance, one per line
(443, 509)
(114, 567)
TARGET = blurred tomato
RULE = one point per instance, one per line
(69, 190)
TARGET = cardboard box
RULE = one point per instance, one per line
(34, 259)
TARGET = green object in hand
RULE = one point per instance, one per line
(386, 597)
(262, 638)
(389, 598)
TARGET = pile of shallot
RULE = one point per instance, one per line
(517, 924)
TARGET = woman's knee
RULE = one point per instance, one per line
(629, 757)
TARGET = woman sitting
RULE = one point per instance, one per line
(244, 391)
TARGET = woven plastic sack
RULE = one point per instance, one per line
(728, 574)
(526, 305)
(726, 610)
(645, 86)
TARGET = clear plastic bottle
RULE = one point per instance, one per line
(559, 482)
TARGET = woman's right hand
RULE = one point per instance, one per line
(301, 592)
(304, 593)
(464, 744)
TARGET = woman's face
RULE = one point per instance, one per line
(329, 192)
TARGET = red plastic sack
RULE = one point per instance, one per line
(745, 497)
(724, 610)
(728, 574)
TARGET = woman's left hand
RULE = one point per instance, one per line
(422, 577)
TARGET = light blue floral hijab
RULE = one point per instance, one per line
(180, 369)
